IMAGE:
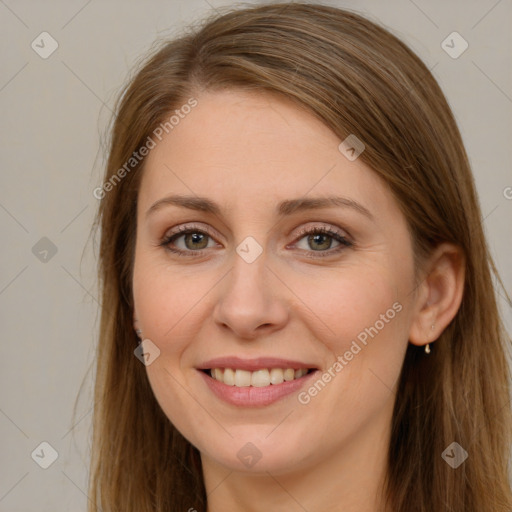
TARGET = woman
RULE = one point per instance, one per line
(291, 245)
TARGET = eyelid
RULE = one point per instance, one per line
(186, 227)
(304, 230)
(341, 236)
(181, 230)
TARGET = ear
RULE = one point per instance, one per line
(136, 324)
(439, 296)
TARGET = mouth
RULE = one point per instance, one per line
(262, 377)
(256, 382)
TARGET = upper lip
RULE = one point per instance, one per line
(253, 364)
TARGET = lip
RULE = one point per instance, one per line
(250, 396)
(252, 365)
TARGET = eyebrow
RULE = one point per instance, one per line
(283, 209)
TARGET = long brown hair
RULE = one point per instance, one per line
(358, 79)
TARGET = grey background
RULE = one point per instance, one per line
(53, 118)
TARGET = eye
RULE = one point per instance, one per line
(320, 239)
(191, 241)
(194, 240)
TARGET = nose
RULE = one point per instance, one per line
(251, 300)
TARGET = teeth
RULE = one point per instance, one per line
(276, 376)
(229, 377)
(289, 374)
(259, 378)
(242, 378)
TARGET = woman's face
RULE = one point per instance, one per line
(253, 284)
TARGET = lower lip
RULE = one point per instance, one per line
(251, 396)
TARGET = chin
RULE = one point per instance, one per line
(252, 460)
(254, 452)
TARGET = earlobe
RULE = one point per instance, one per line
(136, 325)
(440, 294)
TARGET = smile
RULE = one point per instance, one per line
(254, 382)
(259, 378)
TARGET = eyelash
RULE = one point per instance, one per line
(184, 230)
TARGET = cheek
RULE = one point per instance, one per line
(164, 296)
(345, 303)
(359, 315)
(167, 303)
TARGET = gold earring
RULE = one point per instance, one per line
(427, 346)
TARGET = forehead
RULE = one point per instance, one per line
(249, 149)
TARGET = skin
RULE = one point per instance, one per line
(247, 152)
